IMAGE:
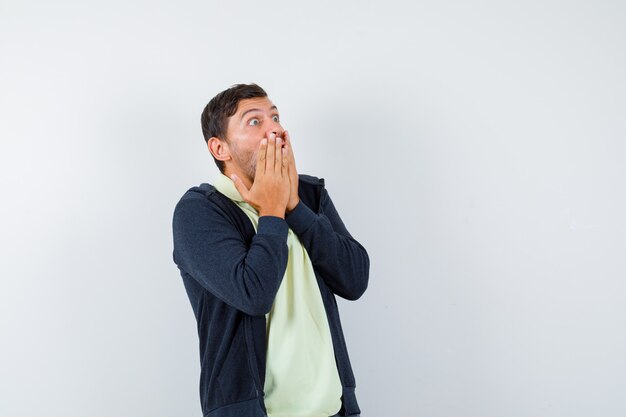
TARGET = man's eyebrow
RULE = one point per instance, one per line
(249, 110)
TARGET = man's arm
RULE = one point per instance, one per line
(343, 261)
(209, 247)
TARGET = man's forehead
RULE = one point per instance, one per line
(263, 103)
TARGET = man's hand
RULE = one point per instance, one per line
(269, 193)
(293, 175)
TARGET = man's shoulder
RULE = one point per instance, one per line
(203, 191)
(203, 197)
(206, 188)
(311, 179)
(198, 192)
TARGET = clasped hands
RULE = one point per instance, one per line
(274, 191)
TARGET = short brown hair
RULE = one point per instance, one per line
(214, 118)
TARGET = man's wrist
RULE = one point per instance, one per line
(273, 225)
(293, 207)
(271, 213)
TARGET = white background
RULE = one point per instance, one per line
(475, 148)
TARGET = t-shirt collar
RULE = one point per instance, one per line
(226, 186)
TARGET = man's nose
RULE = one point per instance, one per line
(276, 129)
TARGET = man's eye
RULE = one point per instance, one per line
(276, 118)
(253, 122)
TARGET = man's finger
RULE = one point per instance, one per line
(285, 164)
(279, 155)
(260, 163)
(240, 186)
(288, 145)
(271, 153)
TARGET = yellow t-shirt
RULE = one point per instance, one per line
(301, 378)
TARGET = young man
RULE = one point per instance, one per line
(262, 253)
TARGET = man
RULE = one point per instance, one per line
(262, 253)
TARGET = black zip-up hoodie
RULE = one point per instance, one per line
(232, 274)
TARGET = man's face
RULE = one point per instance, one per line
(254, 120)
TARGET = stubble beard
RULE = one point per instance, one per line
(247, 162)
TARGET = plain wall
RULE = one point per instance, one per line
(475, 148)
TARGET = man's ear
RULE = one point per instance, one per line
(219, 148)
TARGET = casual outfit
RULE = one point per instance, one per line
(301, 377)
(263, 293)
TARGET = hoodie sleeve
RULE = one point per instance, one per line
(208, 246)
(343, 262)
